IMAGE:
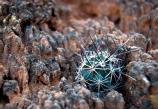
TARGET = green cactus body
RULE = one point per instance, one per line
(100, 71)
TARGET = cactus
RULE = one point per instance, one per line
(102, 70)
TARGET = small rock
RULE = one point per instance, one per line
(114, 100)
(18, 71)
(24, 103)
(55, 105)
(84, 92)
(47, 104)
(154, 54)
(98, 104)
(11, 89)
(136, 39)
(135, 53)
(83, 104)
(39, 72)
(137, 72)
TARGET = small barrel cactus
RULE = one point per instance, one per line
(101, 70)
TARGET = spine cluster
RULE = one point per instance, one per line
(101, 71)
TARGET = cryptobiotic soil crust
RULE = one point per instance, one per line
(48, 48)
